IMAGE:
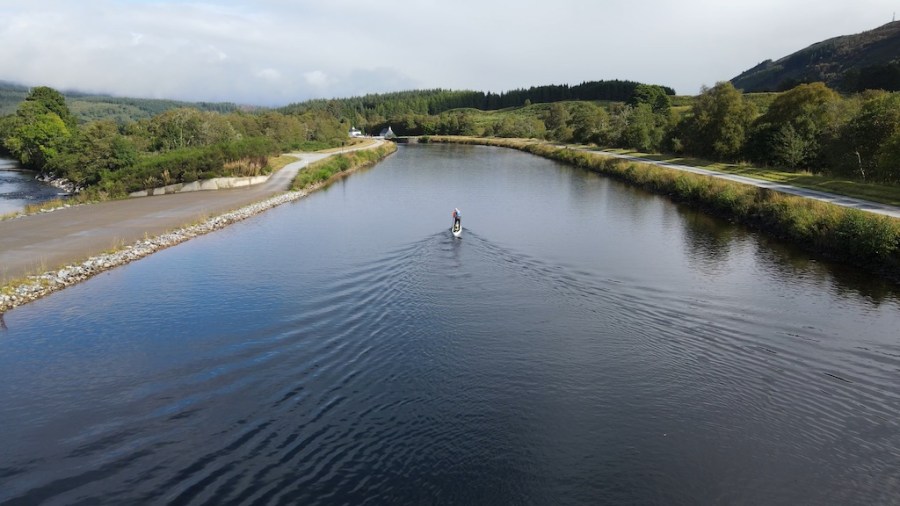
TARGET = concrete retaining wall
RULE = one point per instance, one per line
(219, 183)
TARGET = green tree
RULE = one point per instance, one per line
(176, 129)
(37, 135)
(287, 131)
(96, 149)
(620, 116)
(865, 143)
(719, 122)
(652, 95)
(587, 121)
(889, 158)
(53, 101)
(789, 147)
(518, 126)
(557, 116)
(797, 127)
(644, 130)
(7, 127)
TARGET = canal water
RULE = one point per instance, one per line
(582, 343)
(19, 188)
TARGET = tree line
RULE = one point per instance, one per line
(179, 145)
(371, 112)
(809, 127)
(88, 107)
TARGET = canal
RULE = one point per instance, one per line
(583, 342)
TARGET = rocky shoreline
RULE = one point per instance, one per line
(37, 286)
(60, 182)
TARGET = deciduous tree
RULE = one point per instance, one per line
(719, 122)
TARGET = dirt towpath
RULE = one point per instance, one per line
(841, 200)
(45, 241)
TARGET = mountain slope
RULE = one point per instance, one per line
(849, 63)
(87, 107)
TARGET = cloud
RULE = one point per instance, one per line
(272, 52)
(316, 79)
(269, 75)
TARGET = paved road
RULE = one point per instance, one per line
(52, 240)
(841, 200)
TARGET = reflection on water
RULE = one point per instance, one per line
(582, 343)
(708, 241)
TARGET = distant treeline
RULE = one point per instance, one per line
(848, 235)
(375, 109)
(810, 127)
(873, 77)
(88, 107)
(109, 158)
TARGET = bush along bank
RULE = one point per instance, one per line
(323, 171)
(850, 236)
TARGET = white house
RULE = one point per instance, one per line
(355, 132)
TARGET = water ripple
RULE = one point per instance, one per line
(439, 370)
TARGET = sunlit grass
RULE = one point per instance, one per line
(333, 166)
(876, 192)
(849, 235)
(279, 162)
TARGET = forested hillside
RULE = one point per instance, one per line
(371, 112)
(87, 107)
(850, 63)
(811, 127)
(107, 158)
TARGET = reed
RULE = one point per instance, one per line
(335, 166)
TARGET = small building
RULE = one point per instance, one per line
(355, 132)
(387, 133)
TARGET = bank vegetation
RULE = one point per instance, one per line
(325, 170)
(104, 158)
(850, 236)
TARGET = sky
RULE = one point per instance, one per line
(276, 52)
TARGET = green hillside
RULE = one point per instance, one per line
(87, 107)
(849, 63)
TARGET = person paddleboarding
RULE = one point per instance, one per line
(456, 229)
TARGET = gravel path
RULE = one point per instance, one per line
(71, 244)
(841, 200)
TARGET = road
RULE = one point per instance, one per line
(841, 200)
(46, 241)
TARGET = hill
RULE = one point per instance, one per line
(377, 107)
(849, 63)
(88, 107)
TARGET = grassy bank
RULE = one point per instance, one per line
(337, 165)
(91, 195)
(876, 192)
(847, 235)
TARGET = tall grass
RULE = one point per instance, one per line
(847, 235)
(336, 165)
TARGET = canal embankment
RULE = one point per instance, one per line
(836, 232)
(47, 252)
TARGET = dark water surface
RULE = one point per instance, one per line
(19, 188)
(583, 343)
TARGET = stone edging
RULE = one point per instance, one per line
(218, 183)
(51, 281)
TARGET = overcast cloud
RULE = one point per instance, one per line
(274, 52)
